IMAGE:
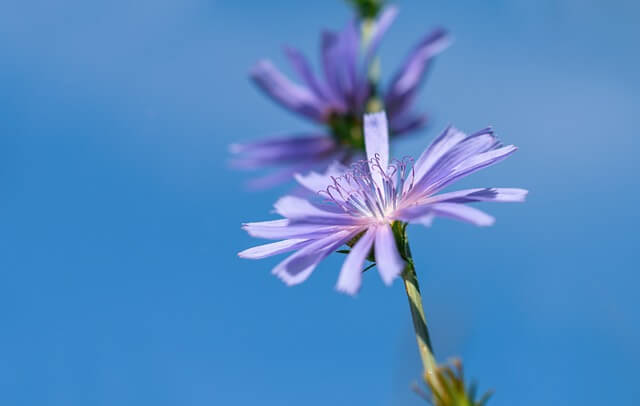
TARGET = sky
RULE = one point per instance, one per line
(120, 216)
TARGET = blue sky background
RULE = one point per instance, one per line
(119, 219)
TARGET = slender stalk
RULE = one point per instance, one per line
(412, 289)
(419, 320)
(374, 104)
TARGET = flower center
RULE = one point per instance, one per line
(368, 190)
(347, 130)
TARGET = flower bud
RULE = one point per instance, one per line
(448, 388)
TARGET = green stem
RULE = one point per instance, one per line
(374, 104)
(412, 289)
(419, 320)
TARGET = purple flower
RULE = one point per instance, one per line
(338, 99)
(364, 201)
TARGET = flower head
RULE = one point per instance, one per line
(338, 98)
(366, 199)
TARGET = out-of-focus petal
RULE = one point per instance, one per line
(330, 63)
(351, 273)
(405, 123)
(381, 26)
(350, 42)
(406, 81)
(339, 57)
(304, 71)
(274, 248)
(296, 98)
(283, 150)
(281, 175)
(390, 263)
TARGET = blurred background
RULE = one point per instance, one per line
(120, 220)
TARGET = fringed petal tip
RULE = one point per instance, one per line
(349, 290)
(487, 130)
(272, 229)
(439, 39)
(390, 263)
(510, 195)
(288, 279)
(488, 222)
(350, 277)
(274, 248)
(259, 68)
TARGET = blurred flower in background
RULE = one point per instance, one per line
(347, 88)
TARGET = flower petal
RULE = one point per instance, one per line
(304, 71)
(439, 167)
(296, 98)
(275, 248)
(472, 165)
(298, 266)
(405, 123)
(449, 138)
(381, 26)
(480, 195)
(349, 47)
(299, 209)
(406, 81)
(282, 229)
(426, 220)
(390, 263)
(330, 63)
(351, 273)
(299, 140)
(451, 210)
(282, 150)
(376, 139)
(316, 182)
(339, 56)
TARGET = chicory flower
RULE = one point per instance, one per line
(361, 204)
(337, 99)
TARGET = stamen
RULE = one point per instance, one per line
(358, 194)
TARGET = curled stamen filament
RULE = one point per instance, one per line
(358, 193)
